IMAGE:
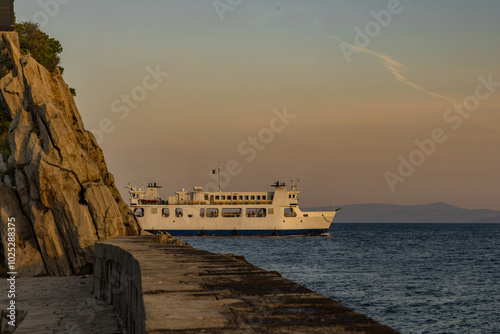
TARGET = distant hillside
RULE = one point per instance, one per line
(431, 213)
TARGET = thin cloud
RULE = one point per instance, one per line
(396, 68)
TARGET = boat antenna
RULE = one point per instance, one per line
(218, 174)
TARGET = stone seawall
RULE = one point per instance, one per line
(117, 281)
(163, 288)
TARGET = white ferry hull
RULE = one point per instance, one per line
(233, 233)
(191, 224)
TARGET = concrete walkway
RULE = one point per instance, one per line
(60, 305)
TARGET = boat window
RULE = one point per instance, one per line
(206, 197)
(178, 212)
(289, 212)
(246, 197)
(190, 216)
(212, 213)
(165, 212)
(258, 197)
(235, 197)
(231, 212)
(252, 197)
(217, 197)
(139, 212)
(293, 195)
(264, 198)
(223, 197)
(289, 195)
(240, 198)
(202, 212)
(256, 212)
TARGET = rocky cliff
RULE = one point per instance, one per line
(53, 177)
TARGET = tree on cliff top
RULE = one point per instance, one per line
(43, 48)
(40, 46)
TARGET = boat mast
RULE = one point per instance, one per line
(218, 172)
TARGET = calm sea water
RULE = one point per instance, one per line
(416, 278)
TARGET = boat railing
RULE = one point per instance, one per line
(256, 215)
(161, 202)
(231, 214)
(241, 202)
(152, 202)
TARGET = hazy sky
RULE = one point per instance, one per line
(363, 101)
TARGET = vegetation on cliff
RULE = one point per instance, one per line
(4, 143)
(39, 45)
(4, 138)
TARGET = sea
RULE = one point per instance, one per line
(415, 278)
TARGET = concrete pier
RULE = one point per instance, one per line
(162, 288)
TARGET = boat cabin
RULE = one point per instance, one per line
(151, 196)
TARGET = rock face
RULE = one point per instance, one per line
(54, 182)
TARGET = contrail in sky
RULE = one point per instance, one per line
(392, 65)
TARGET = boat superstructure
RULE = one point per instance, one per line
(201, 212)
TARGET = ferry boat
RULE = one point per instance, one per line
(222, 213)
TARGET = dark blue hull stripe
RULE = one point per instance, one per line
(241, 232)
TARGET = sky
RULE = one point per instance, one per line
(363, 101)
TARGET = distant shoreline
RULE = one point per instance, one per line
(436, 213)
